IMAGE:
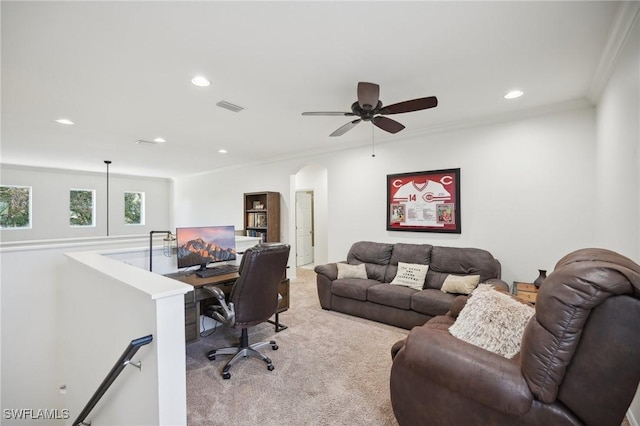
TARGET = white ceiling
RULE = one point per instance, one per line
(121, 71)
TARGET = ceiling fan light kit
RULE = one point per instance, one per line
(369, 108)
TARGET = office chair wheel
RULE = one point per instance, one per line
(273, 344)
(270, 367)
(211, 355)
(226, 375)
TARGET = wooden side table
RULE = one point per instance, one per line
(525, 291)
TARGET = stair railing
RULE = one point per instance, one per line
(125, 359)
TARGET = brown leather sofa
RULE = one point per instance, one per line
(578, 363)
(375, 299)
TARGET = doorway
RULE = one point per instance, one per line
(304, 228)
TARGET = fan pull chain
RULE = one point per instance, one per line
(373, 141)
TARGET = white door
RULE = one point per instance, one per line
(304, 227)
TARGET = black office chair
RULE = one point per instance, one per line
(253, 300)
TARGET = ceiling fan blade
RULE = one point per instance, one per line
(330, 113)
(409, 106)
(344, 129)
(387, 124)
(368, 94)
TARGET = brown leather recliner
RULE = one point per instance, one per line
(579, 361)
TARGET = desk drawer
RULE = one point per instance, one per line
(190, 332)
(190, 322)
(190, 314)
(189, 298)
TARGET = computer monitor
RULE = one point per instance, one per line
(199, 246)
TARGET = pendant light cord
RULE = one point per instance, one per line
(373, 141)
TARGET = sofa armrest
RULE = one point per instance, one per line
(457, 305)
(326, 274)
(460, 301)
(498, 284)
(330, 270)
(473, 372)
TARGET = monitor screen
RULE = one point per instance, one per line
(200, 246)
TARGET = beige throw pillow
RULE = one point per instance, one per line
(352, 271)
(460, 284)
(411, 275)
(493, 321)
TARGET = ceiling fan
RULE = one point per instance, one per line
(369, 108)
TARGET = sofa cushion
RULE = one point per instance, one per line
(391, 295)
(493, 320)
(411, 274)
(375, 255)
(352, 288)
(431, 302)
(460, 284)
(460, 261)
(351, 271)
(407, 253)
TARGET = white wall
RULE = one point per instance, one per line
(103, 305)
(50, 202)
(526, 189)
(37, 299)
(618, 148)
(217, 199)
(618, 183)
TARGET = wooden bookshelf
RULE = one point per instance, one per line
(262, 215)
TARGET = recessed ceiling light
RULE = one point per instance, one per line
(200, 81)
(514, 94)
(64, 121)
(222, 151)
(159, 140)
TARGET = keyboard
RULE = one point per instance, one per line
(217, 270)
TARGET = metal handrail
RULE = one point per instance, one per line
(125, 359)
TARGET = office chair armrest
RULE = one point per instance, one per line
(223, 312)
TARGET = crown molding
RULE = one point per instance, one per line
(383, 138)
(44, 169)
(627, 18)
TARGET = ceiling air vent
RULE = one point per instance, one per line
(229, 106)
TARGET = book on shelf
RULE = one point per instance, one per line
(256, 220)
(255, 233)
(261, 220)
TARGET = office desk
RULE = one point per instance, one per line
(196, 301)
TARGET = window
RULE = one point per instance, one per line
(134, 208)
(82, 207)
(15, 207)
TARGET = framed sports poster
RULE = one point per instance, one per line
(424, 201)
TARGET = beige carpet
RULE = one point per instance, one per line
(330, 369)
